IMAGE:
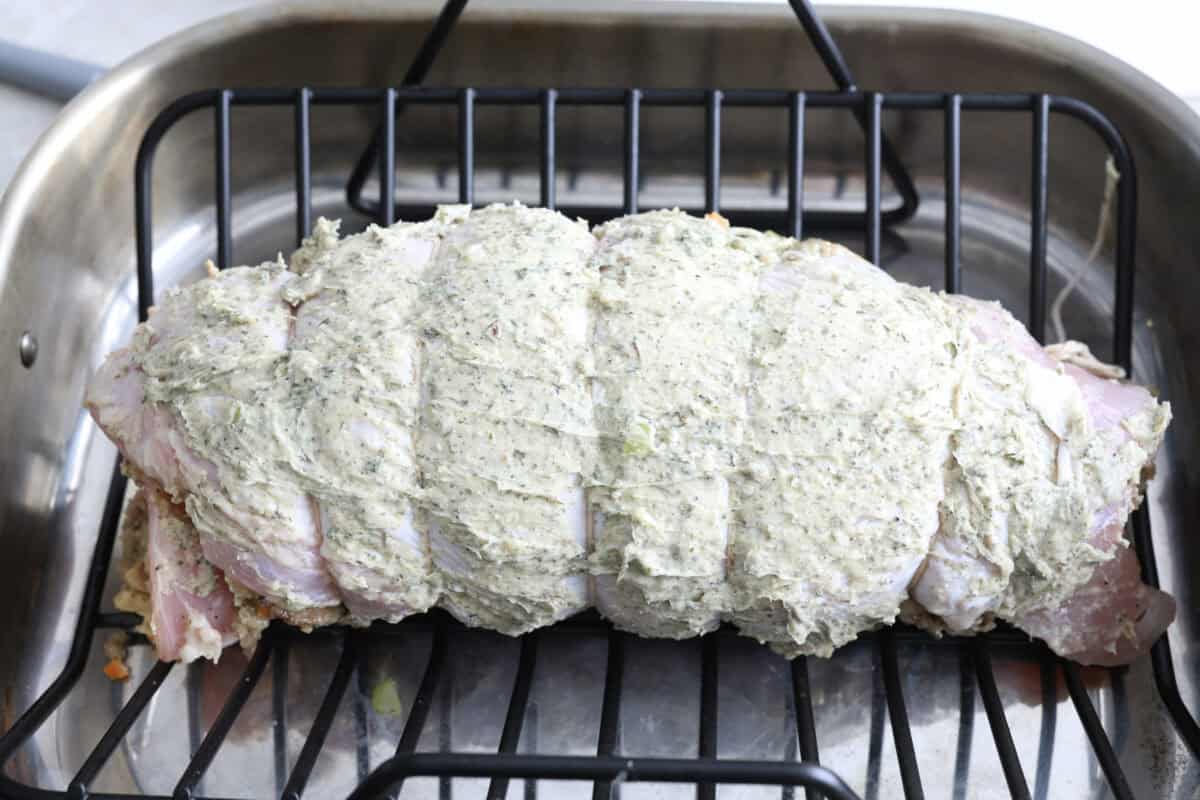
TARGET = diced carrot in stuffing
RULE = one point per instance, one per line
(717, 218)
(116, 670)
(264, 612)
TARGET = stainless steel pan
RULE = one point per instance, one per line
(66, 267)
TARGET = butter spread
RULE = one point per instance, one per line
(215, 353)
(849, 422)
(353, 371)
(506, 430)
(672, 345)
(683, 423)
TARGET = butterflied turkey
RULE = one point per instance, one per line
(516, 418)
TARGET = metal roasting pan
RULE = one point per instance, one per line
(67, 280)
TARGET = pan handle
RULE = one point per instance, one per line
(51, 76)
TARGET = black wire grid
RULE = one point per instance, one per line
(609, 766)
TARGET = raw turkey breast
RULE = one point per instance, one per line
(187, 608)
(502, 413)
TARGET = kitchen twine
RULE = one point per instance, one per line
(1103, 230)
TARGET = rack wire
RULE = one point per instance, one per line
(609, 765)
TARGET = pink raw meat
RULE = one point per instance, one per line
(264, 535)
(1114, 616)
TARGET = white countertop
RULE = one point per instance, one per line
(1157, 37)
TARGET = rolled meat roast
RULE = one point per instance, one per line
(679, 423)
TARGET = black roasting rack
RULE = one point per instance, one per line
(608, 765)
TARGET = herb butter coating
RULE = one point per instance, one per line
(672, 346)
(354, 372)
(506, 431)
(841, 471)
(507, 415)
(214, 356)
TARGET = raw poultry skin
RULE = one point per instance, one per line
(198, 404)
(187, 608)
(351, 410)
(677, 422)
(506, 430)
(672, 345)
